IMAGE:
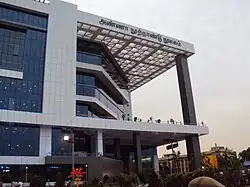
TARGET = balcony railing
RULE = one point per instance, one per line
(92, 91)
(153, 122)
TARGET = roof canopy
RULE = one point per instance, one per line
(142, 54)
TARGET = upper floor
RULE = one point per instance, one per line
(75, 66)
(24, 63)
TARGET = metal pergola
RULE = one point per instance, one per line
(141, 60)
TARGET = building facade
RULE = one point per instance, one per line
(171, 164)
(180, 163)
(73, 75)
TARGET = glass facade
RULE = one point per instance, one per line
(149, 152)
(89, 85)
(85, 85)
(11, 48)
(95, 53)
(22, 49)
(82, 110)
(23, 18)
(19, 139)
(89, 58)
(59, 146)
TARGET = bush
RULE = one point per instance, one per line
(60, 182)
(37, 181)
(127, 180)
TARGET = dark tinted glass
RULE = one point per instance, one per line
(12, 48)
(88, 58)
(22, 50)
(149, 152)
(85, 90)
(19, 140)
(21, 17)
(85, 79)
(86, 84)
(81, 110)
(59, 146)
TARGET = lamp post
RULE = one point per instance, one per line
(86, 170)
(71, 139)
(26, 174)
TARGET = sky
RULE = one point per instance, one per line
(220, 69)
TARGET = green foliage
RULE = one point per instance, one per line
(60, 182)
(226, 162)
(127, 180)
(155, 180)
(37, 181)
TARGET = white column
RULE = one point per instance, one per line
(99, 142)
(156, 163)
(45, 141)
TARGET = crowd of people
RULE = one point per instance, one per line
(170, 121)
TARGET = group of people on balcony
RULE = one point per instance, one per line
(151, 120)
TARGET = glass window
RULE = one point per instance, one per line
(11, 104)
(59, 146)
(24, 18)
(10, 50)
(81, 110)
(19, 140)
(16, 50)
(88, 58)
(89, 80)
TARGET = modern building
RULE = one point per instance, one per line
(173, 164)
(180, 164)
(219, 151)
(68, 72)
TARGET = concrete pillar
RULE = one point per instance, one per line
(155, 162)
(188, 110)
(99, 143)
(137, 152)
(117, 146)
(45, 141)
(126, 159)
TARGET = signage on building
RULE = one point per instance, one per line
(172, 146)
(139, 32)
(210, 161)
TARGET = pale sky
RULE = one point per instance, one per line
(220, 69)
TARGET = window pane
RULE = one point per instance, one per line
(16, 49)
(11, 104)
(81, 110)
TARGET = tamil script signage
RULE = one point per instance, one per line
(140, 32)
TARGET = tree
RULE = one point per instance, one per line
(60, 182)
(228, 162)
(245, 155)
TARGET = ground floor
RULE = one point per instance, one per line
(27, 150)
(32, 148)
(93, 167)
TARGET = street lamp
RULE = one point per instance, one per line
(71, 139)
(86, 170)
(66, 137)
(26, 174)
